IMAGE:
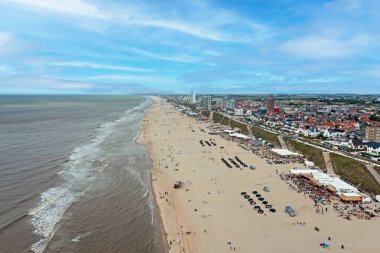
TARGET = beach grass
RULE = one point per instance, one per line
(242, 127)
(219, 118)
(265, 135)
(312, 154)
(354, 172)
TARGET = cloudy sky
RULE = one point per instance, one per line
(174, 46)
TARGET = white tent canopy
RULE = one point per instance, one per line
(242, 136)
(284, 152)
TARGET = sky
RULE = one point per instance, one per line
(156, 46)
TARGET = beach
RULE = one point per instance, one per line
(209, 214)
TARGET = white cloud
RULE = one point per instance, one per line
(372, 71)
(5, 69)
(37, 85)
(99, 66)
(324, 80)
(142, 15)
(70, 7)
(174, 58)
(11, 46)
(5, 38)
(134, 78)
(319, 46)
(195, 30)
(5, 42)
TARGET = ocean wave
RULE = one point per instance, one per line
(78, 174)
(79, 237)
(151, 206)
(146, 193)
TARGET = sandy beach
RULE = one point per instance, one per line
(209, 214)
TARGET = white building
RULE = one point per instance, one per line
(239, 112)
(217, 103)
(230, 104)
(311, 132)
(193, 97)
(333, 133)
(373, 148)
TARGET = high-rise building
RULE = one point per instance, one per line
(270, 105)
(193, 97)
(372, 134)
(217, 103)
(206, 103)
(230, 104)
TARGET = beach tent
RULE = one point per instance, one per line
(309, 164)
(284, 152)
(351, 196)
(366, 200)
(237, 135)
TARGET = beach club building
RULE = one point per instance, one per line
(345, 191)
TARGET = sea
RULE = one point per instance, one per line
(72, 178)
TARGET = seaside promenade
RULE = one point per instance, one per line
(209, 214)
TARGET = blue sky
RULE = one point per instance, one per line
(231, 46)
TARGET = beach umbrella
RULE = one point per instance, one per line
(250, 200)
(258, 195)
(261, 199)
(243, 193)
(247, 196)
(254, 192)
(272, 210)
(265, 202)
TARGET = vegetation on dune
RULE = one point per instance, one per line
(265, 135)
(311, 153)
(242, 127)
(355, 172)
(219, 118)
(377, 168)
(206, 113)
(191, 106)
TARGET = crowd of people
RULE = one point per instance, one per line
(323, 197)
(264, 151)
(357, 210)
(319, 194)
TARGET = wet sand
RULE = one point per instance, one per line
(208, 214)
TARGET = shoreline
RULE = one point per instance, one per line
(209, 215)
(138, 141)
(167, 227)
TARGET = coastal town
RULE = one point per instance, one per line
(350, 124)
(215, 158)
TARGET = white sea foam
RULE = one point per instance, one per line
(78, 176)
(77, 238)
(146, 193)
(151, 206)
